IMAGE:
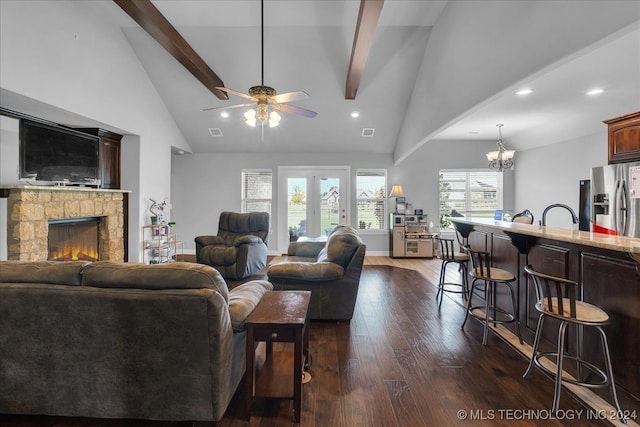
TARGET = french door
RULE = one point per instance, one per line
(311, 202)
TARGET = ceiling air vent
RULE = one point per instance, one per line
(367, 132)
(215, 132)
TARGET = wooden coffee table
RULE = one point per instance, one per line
(281, 316)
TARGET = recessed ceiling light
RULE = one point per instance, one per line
(355, 114)
(224, 114)
(524, 92)
(596, 91)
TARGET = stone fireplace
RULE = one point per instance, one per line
(30, 209)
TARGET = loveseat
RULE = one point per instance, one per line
(330, 270)
(121, 340)
(239, 250)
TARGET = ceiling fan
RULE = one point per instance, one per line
(265, 98)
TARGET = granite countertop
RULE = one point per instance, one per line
(587, 238)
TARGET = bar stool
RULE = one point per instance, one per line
(556, 298)
(448, 255)
(489, 278)
(524, 217)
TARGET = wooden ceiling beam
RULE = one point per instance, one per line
(154, 23)
(362, 40)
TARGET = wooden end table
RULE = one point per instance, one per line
(281, 316)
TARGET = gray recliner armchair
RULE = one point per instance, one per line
(330, 270)
(239, 249)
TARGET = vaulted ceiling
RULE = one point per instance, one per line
(308, 46)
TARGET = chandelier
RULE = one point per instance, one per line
(500, 159)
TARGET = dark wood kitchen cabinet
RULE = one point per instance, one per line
(109, 156)
(624, 138)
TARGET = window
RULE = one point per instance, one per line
(476, 193)
(256, 191)
(372, 199)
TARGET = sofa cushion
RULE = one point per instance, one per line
(307, 249)
(309, 271)
(243, 299)
(220, 255)
(175, 275)
(50, 272)
(341, 245)
(232, 225)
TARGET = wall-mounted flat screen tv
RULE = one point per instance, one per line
(52, 154)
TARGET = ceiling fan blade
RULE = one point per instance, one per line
(292, 109)
(235, 92)
(290, 96)
(228, 107)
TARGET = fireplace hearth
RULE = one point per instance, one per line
(74, 239)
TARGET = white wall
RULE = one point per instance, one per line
(468, 59)
(9, 150)
(9, 157)
(67, 56)
(420, 171)
(203, 185)
(552, 174)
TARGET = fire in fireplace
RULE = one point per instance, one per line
(74, 239)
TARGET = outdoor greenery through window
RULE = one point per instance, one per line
(256, 191)
(476, 193)
(372, 199)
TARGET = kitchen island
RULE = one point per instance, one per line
(607, 267)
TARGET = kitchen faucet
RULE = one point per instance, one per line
(574, 217)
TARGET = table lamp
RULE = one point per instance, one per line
(396, 191)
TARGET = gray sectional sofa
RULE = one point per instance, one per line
(121, 340)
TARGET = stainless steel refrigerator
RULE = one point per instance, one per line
(615, 199)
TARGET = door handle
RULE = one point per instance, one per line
(624, 212)
(614, 208)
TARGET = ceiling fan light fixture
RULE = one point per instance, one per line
(265, 98)
(250, 115)
(262, 113)
(274, 119)
(262, 91)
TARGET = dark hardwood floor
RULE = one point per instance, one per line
(400, 362)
